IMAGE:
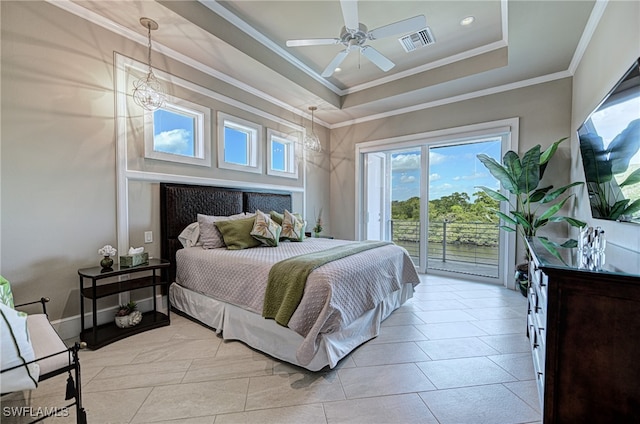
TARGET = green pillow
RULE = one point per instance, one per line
(6, 296)
(237, 233)
(266, 230)
(276, 217)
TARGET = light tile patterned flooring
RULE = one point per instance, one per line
(455, 353)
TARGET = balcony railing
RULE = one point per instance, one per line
(457, 246)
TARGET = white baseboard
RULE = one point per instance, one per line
(69, 328)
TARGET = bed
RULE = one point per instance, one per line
(343, 303)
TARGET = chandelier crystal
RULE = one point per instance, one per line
(148, 92)
(311, 140)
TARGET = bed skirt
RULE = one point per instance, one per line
(267, 336)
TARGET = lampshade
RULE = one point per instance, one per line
(311, 141)
(148, 92)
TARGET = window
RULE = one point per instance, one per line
(282, 154)
(178, 132)
(239, 144)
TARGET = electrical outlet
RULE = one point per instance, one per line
(148, 237)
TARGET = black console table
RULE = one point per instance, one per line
(101, 335)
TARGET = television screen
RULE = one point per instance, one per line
(610, 150)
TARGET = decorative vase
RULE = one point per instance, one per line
(316, 234)
(106, 262)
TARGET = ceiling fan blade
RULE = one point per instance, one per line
(329, 70)
(377, 58)
(407, 25)
(313, 42)
(350, 14)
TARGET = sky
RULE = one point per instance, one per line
(173, 132)
(452, 169)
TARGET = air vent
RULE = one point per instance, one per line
(422, 38)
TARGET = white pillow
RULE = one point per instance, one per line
(210, 235)
(190, 236)
(16, 350)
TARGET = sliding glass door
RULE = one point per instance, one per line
(425, 197)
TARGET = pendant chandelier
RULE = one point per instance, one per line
(311, 140)
(147, 91)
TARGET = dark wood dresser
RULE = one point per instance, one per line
(584, 329)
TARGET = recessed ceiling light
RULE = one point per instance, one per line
(467, 21)
(337, 70)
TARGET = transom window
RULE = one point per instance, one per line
(282, 154)
(178, 132)
(238, 144)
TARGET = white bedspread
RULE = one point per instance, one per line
(336, 293)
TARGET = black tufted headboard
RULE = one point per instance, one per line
(180, 205)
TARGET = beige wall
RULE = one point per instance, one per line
(544, 112)
(58, 151)
(613, 47)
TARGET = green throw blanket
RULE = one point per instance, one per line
(287, 278)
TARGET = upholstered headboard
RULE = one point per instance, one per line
(180, 205)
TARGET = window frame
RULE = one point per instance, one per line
(291, 163)
(201, 137)
(254, 150)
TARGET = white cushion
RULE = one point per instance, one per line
(190, 236)
(16, 349)
(46, 342)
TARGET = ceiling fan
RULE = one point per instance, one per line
(354, 35)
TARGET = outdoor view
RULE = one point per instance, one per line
(462, 232)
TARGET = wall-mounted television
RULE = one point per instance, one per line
(610, 150)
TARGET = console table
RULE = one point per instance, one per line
(584, 330)
(101, 335)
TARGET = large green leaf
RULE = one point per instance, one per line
(548, 154)
(618, 208)
(522, 220)
(505, 217)
(597, 167)
(556, 193)
(499, 172)
(553, 210)
(632, 208)
(551, 247)
(512, 164)
(538, 195)
(571, 221)
(624, 146)
(633, 178)
(493, 194)
(530, 177)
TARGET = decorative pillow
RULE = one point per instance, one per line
(292, 227)
(6, 296)
(16, 350)
(209, 234)
(276, 217)
(236, 233)
(190, 236)
(266, 230)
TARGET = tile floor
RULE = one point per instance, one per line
(455, 353)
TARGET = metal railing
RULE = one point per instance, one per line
(465, 242)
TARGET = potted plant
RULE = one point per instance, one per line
(533, 206)
(128, 315)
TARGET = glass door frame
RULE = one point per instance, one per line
(508, 129)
